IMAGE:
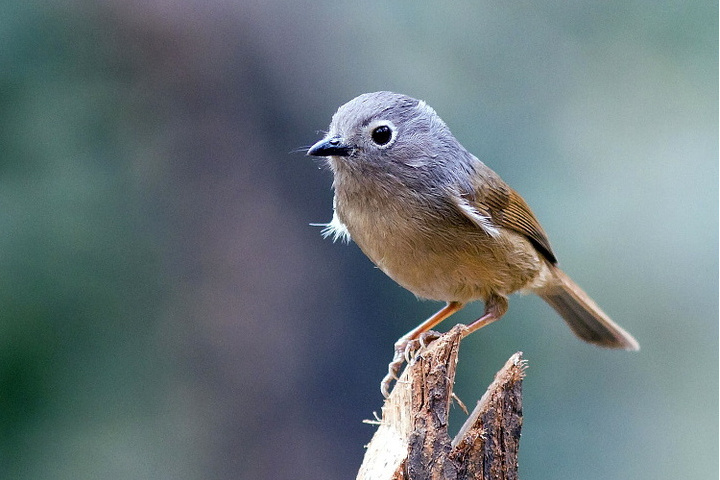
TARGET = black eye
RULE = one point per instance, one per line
(382, 134)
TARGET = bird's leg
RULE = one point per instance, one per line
(495, 307)
(408, 342)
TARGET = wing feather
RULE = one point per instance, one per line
(497, 204)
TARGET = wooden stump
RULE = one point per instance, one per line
(412, 441)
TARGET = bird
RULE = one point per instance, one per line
(441, 223)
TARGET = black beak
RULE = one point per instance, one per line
(330, 146)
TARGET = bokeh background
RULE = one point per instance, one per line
(167, 312)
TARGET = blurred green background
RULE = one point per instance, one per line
(167, 312)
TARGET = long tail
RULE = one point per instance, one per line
(583, 315)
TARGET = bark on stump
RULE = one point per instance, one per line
(412, 441)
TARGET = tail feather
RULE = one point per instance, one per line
(583, 315)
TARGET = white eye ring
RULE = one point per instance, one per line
(382, 133)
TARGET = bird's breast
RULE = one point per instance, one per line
(435, 252)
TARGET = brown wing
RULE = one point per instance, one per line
(508, 209)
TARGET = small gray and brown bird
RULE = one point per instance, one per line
(441, 223)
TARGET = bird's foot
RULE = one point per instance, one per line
(405, 350)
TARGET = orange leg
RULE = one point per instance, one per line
(442, 314)
(495, 307)
(404, 342)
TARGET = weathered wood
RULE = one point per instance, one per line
(412, 441)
